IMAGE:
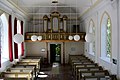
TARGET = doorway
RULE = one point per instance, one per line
(55, 53)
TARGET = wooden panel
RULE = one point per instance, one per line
(55, 36)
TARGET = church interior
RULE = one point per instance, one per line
(59, 40)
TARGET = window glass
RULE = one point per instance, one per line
(108, 38)
(4, 38)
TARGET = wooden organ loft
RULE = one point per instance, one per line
(57, 30)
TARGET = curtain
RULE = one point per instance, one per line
(15, 44)
(10, 39)
(22, 45)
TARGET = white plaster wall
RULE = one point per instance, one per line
(119, 38)
(73, 48)
(34, 49)
(96, 14)
(4, 66)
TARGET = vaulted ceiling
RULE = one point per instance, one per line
(41, 7)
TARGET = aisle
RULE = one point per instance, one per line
(64, 73)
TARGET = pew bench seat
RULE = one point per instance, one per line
(83, 74)
(18, 66)
(97, 68)
(28, 74)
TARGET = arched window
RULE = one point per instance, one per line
(92, 30)
(106, 36)
(4, 38)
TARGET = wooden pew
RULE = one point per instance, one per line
(109, 77)
(33, 57)
(79, 63)
(32, 61)
(21, 70)
(26, 66)
(99, 73)
(76, 57)
(83, 65)
(10, 78)
(78, 69)
(27, 74)
(83, 61)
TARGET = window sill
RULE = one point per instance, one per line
(106, 59)
(91, 53)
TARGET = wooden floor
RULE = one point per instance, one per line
(65, 73)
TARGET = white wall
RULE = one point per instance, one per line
(34, 49)
(96, 13)
(73, 48)
(119, 39)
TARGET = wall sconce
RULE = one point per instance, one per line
(43, 50)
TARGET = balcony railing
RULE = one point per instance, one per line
(55, 36)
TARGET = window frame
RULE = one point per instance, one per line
(102, 54)
(91, 30)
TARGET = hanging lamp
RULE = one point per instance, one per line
(70, 36)
(18, 38)
(33, 37)
(76, 37)
(89, 37)
(39, 37)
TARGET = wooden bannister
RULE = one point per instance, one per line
(54, 36)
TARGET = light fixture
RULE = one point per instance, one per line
(89, 37)
(54, 1)
(34, 37)
(18, 38)
(76, 37)
(70, 37)
(39, 37)
(43, 50)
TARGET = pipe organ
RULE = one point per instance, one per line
(55, 28)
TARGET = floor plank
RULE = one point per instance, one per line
(65, 73)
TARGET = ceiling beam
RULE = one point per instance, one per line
(47, 6)
(11, 2)
(50, 13)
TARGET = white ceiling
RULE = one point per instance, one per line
(41, 7)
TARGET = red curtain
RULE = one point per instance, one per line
(15, 44)
(22, 45)
(10, 38)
